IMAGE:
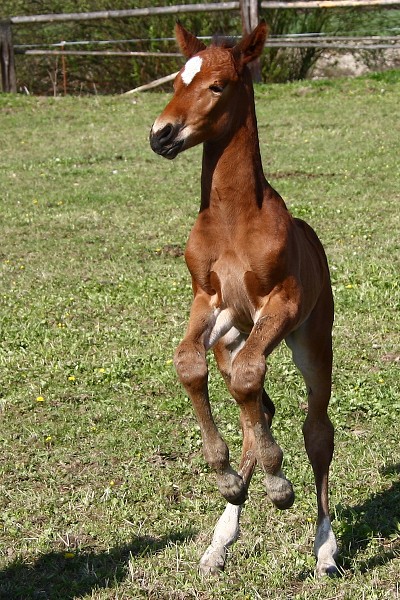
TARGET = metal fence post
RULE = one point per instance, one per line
(7, 62)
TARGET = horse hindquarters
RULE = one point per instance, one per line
(311, 347)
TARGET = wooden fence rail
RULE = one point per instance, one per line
(39, 52)
(134, 12)
(188, 8)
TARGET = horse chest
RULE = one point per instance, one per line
(228, 279)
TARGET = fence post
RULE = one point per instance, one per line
(249, 12)
(7, 63)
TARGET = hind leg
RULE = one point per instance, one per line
(311, 346)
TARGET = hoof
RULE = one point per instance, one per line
(213, 561)
(210, 570)
(327, 570)
(232, 488)
(279, 491)
(284, 504)
(325, 549)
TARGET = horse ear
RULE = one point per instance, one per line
(251, 46)
(187, 42)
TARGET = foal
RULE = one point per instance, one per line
(259, 276)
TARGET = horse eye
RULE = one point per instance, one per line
(217, 89)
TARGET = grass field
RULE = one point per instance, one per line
(104, 491)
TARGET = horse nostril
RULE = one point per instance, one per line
(165, 134)
(165, 140)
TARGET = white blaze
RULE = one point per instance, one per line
(191, 69)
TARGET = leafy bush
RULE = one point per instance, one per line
(288, 64)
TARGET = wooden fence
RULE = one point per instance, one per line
(249, 13)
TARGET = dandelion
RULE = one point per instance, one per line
(169, 361)
(101, 370)
(69, 555)
(349, 286)
(48, 439)
(71, 378)
(40, 399)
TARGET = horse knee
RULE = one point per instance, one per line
(248, 375)
(191, 366)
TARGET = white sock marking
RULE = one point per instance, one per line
(227, 528)
(226, 532)
(325, 547)
(191, 69)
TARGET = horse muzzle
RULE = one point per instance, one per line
(165, 141)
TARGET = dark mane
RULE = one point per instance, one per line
(222, 41)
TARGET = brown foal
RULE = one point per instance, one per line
(259, 276)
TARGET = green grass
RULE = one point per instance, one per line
(104, 491)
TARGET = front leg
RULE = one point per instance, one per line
(191, 366)
(227, 529)
(248, 373)
(226, 532)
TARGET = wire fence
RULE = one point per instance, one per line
(298, 40)
(92, 47)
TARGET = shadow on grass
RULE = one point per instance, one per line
(55, 577)
(376, 519)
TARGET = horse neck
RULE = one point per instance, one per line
(232, 173)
